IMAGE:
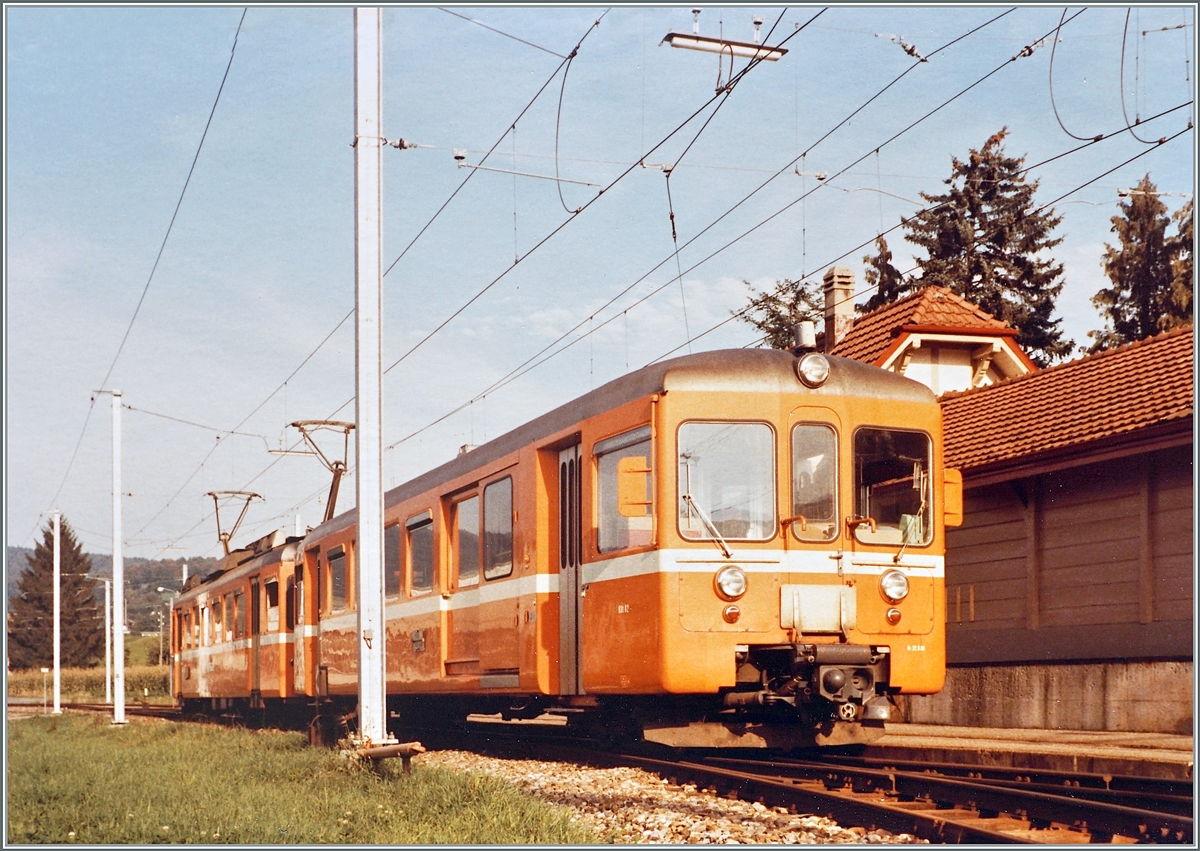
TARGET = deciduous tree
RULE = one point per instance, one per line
(31, 612)
(775, 312)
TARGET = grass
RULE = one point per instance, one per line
(78, 779)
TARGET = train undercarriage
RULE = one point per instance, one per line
(787, 696)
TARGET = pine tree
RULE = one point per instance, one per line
(775, 313)
(1183, 271)
(985, 240)
(31, 612)
(889, 284)
(1149, 271)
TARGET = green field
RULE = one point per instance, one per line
(86, 685)
(78, 779)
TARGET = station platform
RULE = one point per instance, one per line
(1097, 752)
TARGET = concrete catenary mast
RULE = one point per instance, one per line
(368, 263)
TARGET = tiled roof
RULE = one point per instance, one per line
(928, 307)
(1095, 397)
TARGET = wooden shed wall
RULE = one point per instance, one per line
(1088, 563)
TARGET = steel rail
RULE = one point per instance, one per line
(844, 806)
(1100, 819)
(1152, 786)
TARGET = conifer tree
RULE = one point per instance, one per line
(985, 240)
(31, 612)
(775, 312)
(1183, 272)
(889, 284)
(1149, 272)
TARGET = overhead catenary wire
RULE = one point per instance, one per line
(512, 125)
(554, 231)
(1124, 113)
(501, 32)
(179, 203)
(422, 231)
(1037, 210)
(158, 256)
(533, 362)
(625, 313)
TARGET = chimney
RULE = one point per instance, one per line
(839, 305)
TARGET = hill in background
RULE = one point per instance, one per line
(143, 577)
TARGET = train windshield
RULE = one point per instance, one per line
(892, 487)
(726, 481)
(814, 483)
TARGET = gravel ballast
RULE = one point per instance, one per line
(629, 805)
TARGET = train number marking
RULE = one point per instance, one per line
(622, 608)
(917, 647)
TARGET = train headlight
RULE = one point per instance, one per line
(894, 586)
(812, 369)
(731, 582)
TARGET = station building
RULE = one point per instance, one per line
(1070, 584)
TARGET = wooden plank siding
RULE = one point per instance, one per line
(1084, 563)
(1172, 524)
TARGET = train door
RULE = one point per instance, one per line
(255, 642)
(570, 544)
(308, 625)
(462, 624)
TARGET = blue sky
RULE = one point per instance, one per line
(105, 108)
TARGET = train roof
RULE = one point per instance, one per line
(733, 370)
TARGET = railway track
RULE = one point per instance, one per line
(940, 802)
(966, 804)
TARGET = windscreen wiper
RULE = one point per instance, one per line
(717, 539)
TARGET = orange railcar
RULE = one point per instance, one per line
(731, 548)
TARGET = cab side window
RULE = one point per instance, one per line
(625, 457)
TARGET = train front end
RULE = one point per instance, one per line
(799, 507)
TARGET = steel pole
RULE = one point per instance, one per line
(118, 567)
(368, 262)
(108, 641)
(57, 613)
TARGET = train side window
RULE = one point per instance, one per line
(393, 562)
(290, 605)
(199, 626)
(626, 455)
(466, 541)
(498, 529)
(218, 611)
(814, 482)
(337, 579)
(420, 552)
(892, 486)
(237, 616)
(271, 587)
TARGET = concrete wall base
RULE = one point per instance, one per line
(1143, 697)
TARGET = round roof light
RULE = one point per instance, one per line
(812, 369)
